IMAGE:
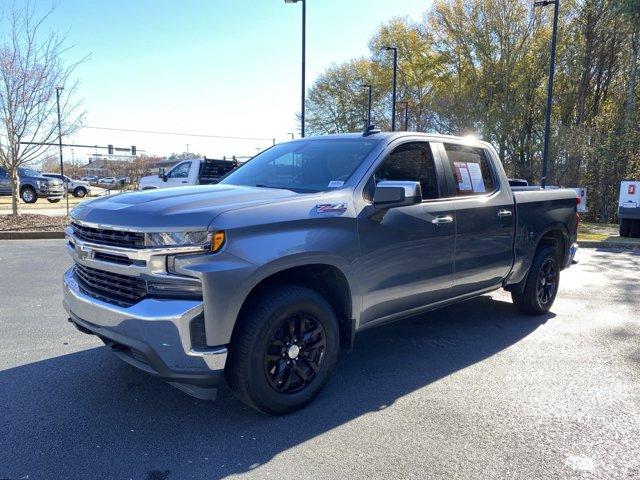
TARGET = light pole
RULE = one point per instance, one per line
(66, 184)
(406, 115)
(368, 87)
(552, 69)
(393, 95)
(304, 39)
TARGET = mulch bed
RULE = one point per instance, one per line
(28, 222)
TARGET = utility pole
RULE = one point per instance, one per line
(552, 69)
(368, 87)
(66, 184)
(304, 40)
(393, 95)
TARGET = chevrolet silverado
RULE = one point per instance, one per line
(259, 279)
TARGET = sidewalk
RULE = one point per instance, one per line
(52, 212)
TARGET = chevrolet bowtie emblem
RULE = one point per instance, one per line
(83, 251)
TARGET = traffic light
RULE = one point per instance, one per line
(133, 150)
(110, 149)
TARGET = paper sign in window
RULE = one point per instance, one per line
(476, 177)
(462, 176)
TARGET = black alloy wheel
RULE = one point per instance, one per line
(547, 282)
(295, 353)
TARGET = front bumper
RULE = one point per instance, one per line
(570, 257)
(159, 336)
(51, 192)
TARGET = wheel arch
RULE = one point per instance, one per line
(554, 235)
(328, 279)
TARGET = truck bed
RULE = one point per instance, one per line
(537, 212)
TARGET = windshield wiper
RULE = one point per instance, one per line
(294, 190)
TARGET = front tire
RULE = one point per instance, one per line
(284, 350)
(542, 284)
(80, 192)
(29, 195)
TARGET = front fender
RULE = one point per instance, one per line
(255, 253)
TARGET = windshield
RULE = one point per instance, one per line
(28, 172)
(307, 166)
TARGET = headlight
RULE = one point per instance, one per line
(41, 184)
(176, 239)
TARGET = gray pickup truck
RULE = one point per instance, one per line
(259, 279)
(33, 185)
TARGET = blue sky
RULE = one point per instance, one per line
(222, 67)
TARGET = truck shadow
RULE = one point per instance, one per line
(87, 415)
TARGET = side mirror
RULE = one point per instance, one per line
(390, 194)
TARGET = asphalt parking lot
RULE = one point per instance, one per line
(471, 391)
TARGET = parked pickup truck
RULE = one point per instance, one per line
(260, 278)
(32, 186)
(198, 171)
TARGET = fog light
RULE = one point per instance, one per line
(181, 290)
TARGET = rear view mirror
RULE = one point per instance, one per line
(390, 194)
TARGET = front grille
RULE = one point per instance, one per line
(108, 257)
(101, 236)
(110, 287)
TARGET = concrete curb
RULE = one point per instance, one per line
(30, 235)
(612, 245)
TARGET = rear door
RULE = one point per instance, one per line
(407, 252)
(485, 217)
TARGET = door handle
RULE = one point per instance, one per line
(505, 213)
(184, 181)
(442, 219)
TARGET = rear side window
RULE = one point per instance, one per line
(411, 162)
(471, 171)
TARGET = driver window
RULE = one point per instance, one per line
(180, 171)
(410, 162)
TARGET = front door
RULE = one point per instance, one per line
(407, 252)
(178, 175)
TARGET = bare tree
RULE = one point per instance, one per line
(31, 67)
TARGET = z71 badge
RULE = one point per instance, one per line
(331, 208)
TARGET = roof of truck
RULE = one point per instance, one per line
(390, 136)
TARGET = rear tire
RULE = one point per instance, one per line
(542, 283)
(29, 195)
(284, 349)
(625, 227)
(635, 229)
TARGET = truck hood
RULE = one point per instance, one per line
(179, 208)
